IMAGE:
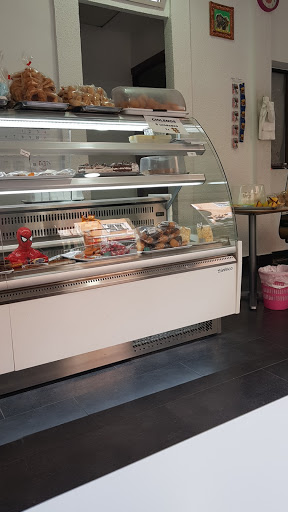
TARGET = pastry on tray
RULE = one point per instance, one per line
(111, 237)
(166, 235)
(123, 167)
(85, 95)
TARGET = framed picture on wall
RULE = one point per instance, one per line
(221, 21)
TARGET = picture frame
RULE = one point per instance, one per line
(221, 21)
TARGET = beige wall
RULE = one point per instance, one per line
(29, 27)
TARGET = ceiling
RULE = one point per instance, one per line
(94, 15)
(116, 20)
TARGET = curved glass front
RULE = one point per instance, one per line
(126, 198)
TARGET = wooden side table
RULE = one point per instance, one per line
(252, 214)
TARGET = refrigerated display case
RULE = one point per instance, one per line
(131, 263)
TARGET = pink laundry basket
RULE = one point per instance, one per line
(274, 281)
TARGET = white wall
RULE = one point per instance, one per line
(212, 64)
(29, 27)
(279, 20)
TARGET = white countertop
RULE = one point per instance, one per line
(240, 466)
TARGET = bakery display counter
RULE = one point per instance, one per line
(117, 259)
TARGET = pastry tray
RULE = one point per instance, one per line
(169, 249)
(97, 109)
(41, 105)
(79, 256)
(159, 113)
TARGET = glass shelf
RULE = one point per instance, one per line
(99, 148)
(79, 121)
(30, 184)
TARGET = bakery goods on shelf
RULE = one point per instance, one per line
(204, 233)
(115, 168)
(166, 235)
(31, 85)
(148, 98)
(84, 95)
(144, 102)
(104, 238)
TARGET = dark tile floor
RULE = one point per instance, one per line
(56, 437)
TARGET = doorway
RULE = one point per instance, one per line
(119, 48)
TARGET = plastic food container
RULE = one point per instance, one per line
(160, 165)
(109, 237)
(248, 195)
(146, 98)
(3, 101)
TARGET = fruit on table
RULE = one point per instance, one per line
(272, 202)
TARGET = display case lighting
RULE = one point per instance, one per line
(108, 187)
(70, 121)
(70, 125)
(216, 182)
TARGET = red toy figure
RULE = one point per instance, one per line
(25, 254)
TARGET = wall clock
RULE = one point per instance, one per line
(268, 5)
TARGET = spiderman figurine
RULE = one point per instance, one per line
(25, 254)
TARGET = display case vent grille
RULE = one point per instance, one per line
(46, 224)
(182, 335)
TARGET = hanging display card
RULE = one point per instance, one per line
(165, 125)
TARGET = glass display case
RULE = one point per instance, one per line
(105, 244)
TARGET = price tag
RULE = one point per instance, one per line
(165, 125)
(191, 153)
(24, 153)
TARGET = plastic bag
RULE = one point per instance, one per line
(84, 95)
(166, 235)
(274, 276)
(204, 233)
(31, 85)
(4, 89)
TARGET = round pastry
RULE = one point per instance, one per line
(175, 233)
(143, 235)
(89, 251)
(164, 239)
(140, 246)
(174, 243)
(159, 246)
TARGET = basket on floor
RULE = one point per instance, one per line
(274, 281)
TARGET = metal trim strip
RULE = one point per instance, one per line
(75, 285)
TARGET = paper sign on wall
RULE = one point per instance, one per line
(165, 125)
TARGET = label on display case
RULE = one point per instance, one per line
(165, 125)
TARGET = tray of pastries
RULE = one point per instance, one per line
(104, 239)
(105, 170)
(165, 236)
